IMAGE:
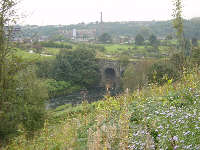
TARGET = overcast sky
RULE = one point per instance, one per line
(54, 12)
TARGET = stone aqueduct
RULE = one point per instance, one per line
(111, 73)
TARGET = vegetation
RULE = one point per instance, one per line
(160, 73)
(159, 28)
(164, 117)
(153, 40)
(160, 106)
(60, 88)
(22, 95)
(135, 76)
(139, 40)
(56, 45)
(78, 66)
(105, 38)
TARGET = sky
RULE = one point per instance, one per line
(65, 12)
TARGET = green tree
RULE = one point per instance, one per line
(45, 67)
(135, 76)
(21, 100)
(105, 38)
(178, 23)
(139, 40)
(79, 66)
(145, 32)
(169, 37)
(38, 47)
(153, 40)
(161, 72)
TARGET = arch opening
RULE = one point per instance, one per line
(110, 77)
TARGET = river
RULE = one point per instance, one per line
(77, 97)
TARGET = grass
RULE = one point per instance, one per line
(157, 117)
(113, 48)
(51, 51)
(31, 56)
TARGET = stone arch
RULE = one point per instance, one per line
(110, 77)
(115, 67)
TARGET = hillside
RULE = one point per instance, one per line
(165, 117)
(129, 28)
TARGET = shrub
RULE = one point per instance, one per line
(196, 55)
(161, 72)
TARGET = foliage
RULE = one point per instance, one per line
(178, 21)
(22, 95)
(187, 47)
(32, 93)
(123, 60)
(45, 67)
(161, 72)
(38, 47)
(79, 67)
(139, 40)
(178, 60)
(53, 44)
(105, 38)
(164, 117)
(196, 55)
(100, 48)
(145, 32)
(169, 37)
(60, 88)
(135, 76)
(153, 40)
(24, 103)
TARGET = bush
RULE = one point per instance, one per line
(55, 45)
(79, 67)
(25, 106)
(160, 73)
(135, 76)
(196, 55)
(60, 88)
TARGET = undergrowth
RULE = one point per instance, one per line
(157, 117)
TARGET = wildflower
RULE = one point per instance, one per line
(175, 138)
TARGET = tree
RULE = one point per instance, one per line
(161, 72)
(178, 23)
(135, 76)
(22, 97)
(139, 40)
(145, 32)
(153, 40)
(169, 37)
(78, 66)
(38, 47)
(105, 38)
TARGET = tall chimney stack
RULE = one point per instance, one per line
(101, 17)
